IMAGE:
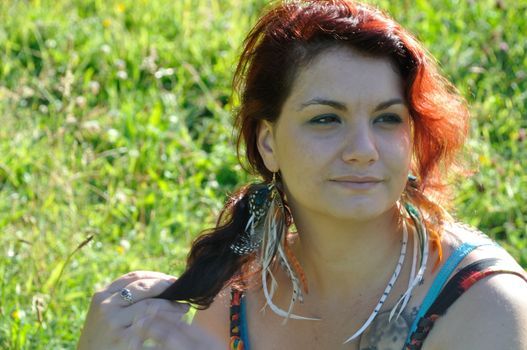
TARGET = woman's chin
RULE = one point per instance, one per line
(359, 212)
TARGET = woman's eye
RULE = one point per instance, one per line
(389, 118)
(325, 119)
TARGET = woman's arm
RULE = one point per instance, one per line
(120, 323)
(491, 315)
(216, 319)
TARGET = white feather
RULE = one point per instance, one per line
(423, 240)
(274, 232)
(387, 290)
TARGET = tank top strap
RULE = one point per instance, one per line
(238, 321)
(455, 287)
(442, 276)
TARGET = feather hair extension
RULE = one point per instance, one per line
(251, 239)
(273, 232)
(412, 272)
(423, 238)
(297, 292)
(296, 266)
(268, 293)
(405, 300)
(387, 290)
(420, 228)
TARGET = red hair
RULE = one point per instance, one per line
(291, 34)
(284, 40)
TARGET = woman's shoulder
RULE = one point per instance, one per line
(470, 244)
(215, 319)
(492, 313)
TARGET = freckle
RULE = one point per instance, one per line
(394, 338)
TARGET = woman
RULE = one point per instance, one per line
(345, 245)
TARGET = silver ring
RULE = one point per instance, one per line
(126, 295)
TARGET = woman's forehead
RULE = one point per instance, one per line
(346, 75)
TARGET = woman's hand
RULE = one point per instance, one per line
(145, 322)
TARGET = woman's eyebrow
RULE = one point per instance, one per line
(386, 104)
(322, 101)
(342, 106)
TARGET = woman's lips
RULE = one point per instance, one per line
(357, 183)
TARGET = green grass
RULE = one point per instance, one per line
(116, 124)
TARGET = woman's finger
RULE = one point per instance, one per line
(133, 276)
(152, 307)
(138, 290)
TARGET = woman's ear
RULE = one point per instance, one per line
(266, 146)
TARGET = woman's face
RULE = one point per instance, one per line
(343, 139)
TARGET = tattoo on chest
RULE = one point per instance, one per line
(385, 335)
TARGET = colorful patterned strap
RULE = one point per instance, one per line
(442, 276)
(457, 285)
(237, 327)
(440, 298)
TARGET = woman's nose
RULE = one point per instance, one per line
(360, 146)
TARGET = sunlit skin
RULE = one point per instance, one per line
(342, 144)
(342, 141)
(343, 147)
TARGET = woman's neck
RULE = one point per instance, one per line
(339, 257)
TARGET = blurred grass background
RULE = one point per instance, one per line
(116, 123)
